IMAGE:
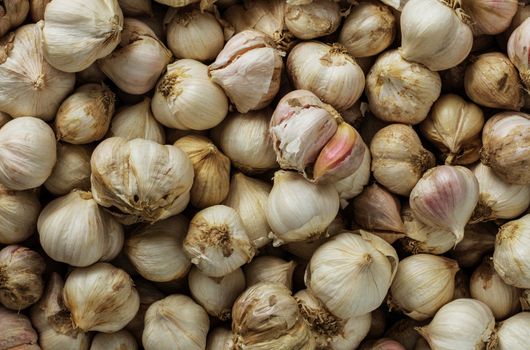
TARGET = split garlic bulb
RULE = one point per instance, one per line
(179, 99)
(518, 51)
(352, 273)
(489, 17)
(13, 14)
(77, 33)
(270, 269)
(512, 334)
(72, 169)
(460, 324)
(100, 297)
(351, 186)
(114, 341)
(266, 16)
(319, 18)
(175, 323)
(18, 215)
(137, 121)
(27, 153)
(146, 181)
(17, 331)
(434, 34)
(25, 74)
(401, 91)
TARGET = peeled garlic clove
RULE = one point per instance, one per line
(505, 147)
(269, 269)
(136, 7)
(319, 18)
(460, 324)
(352, 273)
(175, 323)
(433, 33)
(518, 51)
(137, 121)
(180, 97)
(18, 215)
(85, 115)
(352, 185)
(401, 91)
(266, 16)
(248, 69)
(368, 30)
(479, 239)
(114, 341)
(13, 13)
(512, 334)
(16, 331)
(27, 153)
(398, 158)
(72, 169)
(144, 180)
(148, 295)
(219, 339)
(445, 197)
(298, 210)
(489, 16)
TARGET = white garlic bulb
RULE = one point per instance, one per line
(319, 18)
(352, 273)
(351, 186)
(512, 334)
(13, 14)
(77, 33)
(269, 269)
(137, 121)
(114, 341)
(489, 16)
(18, 215)
(72, 169)
(518, 51)
(434, 34)
(401, 91)
(266, 16)
(179, 100)
(219, 339)
(175, 323)
(27, 153)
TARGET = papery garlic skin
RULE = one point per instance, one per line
(137, 121)
(136, 7)
(18, 215)
(175, 323)
(269, 269)
(219, 339)
(77, 33)
(518, 51)
(401, 91)
(27, 153)
(13, 14)
(433, 34)
(491, 16)
(319, 18)
(72, 169)
(114, 341)
(351, 186)
(512, 334)
(18, 332)
(266, 16)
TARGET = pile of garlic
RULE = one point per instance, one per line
(264, 174)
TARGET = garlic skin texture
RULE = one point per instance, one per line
(445, 197)
(454, 126)
(351, 186)
(351, 273)
(27, 153)
(505, 147)
(460, 324)
(100, 297)
(525, 299)
(156, 250)
(400, 91)
(136, 7)
(18, 332)
(178, 101)
(434, 34)
(518, 51)
(489, 17)
(298, 210)
(13, 14)
(72, 169)
(248, 69)
(327, 71)
(217, 242)
(512, 334)
(18, 215)
(266, 16)
(219, 339)
(423, 284)
(114, 341)
(175, 323)
(368, 30)
(269, 269)
(398, 158)
(146, 181)
(148, 295)
(319, 18)
(85, 115)
(77, 33)
(25, 74)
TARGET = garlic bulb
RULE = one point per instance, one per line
(148, 295)
(401, 91)
(505, 147)
(216, 295)
(352, 273)
(75, 230)
(434, 34)
(319, 18)
(156, 250)
(136, 7)
(518, 51)
(179, 99)
(114, 341)
(491, 80)
(146, 181)
(139, 60)
(219, 339)
(21, 283)
(194, 34)
(398, 158)
(327, 71)
(460, 324)
(445, 197)
(510, 256)
(266, 16)
(180, 3)
(270, 269)
(85, 115)
(72, 169)
(25, 74)
(212, 170)
(489, 17)
(17, 332)
(217, 242)
(13, 13)
(423, 284)
(454, 126)
(18, 215)
(298, 210)
(137, 121)
(351, 186)
(27, 153)
(245, 139)
(479, 239)
(368, 30)
(266, 316)
(248, 69)
(175, 323)
(512, 334)
(100, 297)
(331, 332)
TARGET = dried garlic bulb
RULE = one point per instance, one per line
(479, 239)
(72, 169)
(13, 13)
(269, 269)
(319, 18)
(137, 121)
(219, 339)
(351, 186)
(148, 295)
(17, 331)
(136, 7)
(18, 215)
(266, 16)
(489, 16)
(77, 33)
(114, 341)
(518, 51)
(512, 334)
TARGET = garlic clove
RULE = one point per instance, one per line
(13, 14)
(266, 16)
(319, 18)
(489, 17)
(18, 215)
(114, 341)
(269, 269)
(17, 332)
(352, 185)
(512, 333)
